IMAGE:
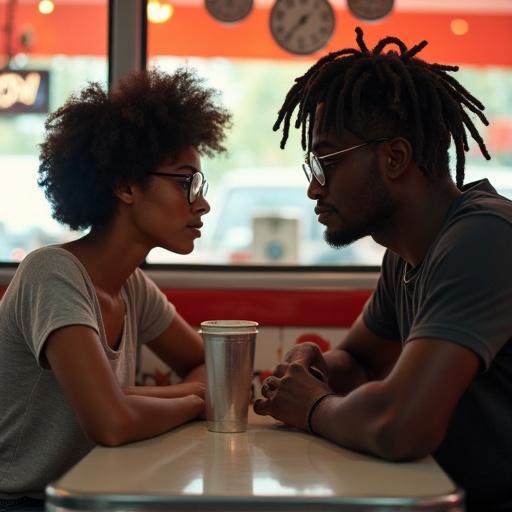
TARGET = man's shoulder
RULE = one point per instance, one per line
(477, 235)
(480, 198)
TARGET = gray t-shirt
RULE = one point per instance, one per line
(40, 437)
(462, 292)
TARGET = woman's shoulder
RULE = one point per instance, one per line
(49, 272)
(50, 259)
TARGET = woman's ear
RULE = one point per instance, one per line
(397, 157)
(124, 192)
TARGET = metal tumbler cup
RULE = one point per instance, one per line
(229, 350)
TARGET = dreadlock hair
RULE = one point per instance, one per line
(371, 93)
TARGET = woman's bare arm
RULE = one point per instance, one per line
(108, 415)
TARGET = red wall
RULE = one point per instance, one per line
(272, 307)
(81, 29)
(269, 308)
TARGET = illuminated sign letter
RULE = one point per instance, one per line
(24, 91)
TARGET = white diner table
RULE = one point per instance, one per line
(267, 468)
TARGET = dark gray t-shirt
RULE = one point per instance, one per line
(462, 292)
(40, 437)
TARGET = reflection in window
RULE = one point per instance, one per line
(69, 45)
(253, 75)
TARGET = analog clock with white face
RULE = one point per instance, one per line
(229, 11)
(302, 26)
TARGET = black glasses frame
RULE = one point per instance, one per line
(195, 183)
(315, 169)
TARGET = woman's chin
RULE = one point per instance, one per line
(181, 250)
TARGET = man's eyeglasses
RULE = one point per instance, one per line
(315, 168)
(194, 184)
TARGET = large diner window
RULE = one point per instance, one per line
(48, 51)
(260, 213)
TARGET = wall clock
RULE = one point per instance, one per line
(370, 9)
(229, 11)
(302, 26)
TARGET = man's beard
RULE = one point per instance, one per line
(377, 207)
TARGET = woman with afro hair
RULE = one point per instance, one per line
(124, 166)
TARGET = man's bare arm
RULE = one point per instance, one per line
(361, 357)
(401, 417)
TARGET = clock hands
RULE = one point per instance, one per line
(301, 21)
(302, 27)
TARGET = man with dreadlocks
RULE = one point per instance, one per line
(427, 366)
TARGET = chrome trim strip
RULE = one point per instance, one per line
(261, 280)
(246, 279)
(63, 500)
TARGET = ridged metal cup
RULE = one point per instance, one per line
(229, 350)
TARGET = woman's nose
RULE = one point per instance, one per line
(201, 205)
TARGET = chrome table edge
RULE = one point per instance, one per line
(63, 499)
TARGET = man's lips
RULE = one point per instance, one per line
(323, 214)
(322, 209)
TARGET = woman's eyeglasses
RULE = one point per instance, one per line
(315, 169)
(194, 184)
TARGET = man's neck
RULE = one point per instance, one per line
(418, 221)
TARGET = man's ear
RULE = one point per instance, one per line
(124, 192)
(397, 157)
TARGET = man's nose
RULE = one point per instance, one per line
(315, 190)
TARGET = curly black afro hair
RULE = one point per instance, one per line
(98, 140)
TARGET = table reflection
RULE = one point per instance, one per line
(267, 461)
